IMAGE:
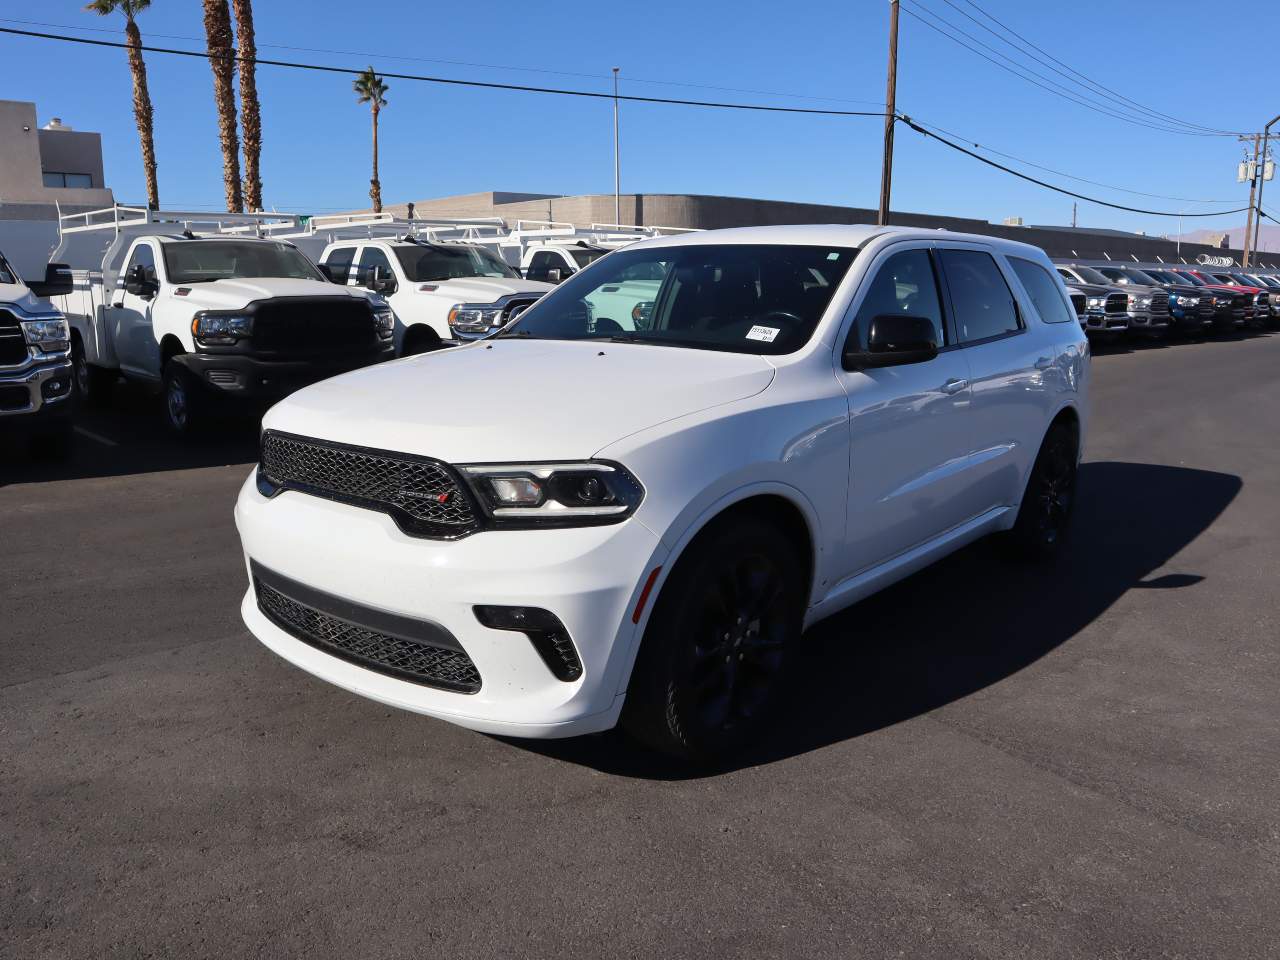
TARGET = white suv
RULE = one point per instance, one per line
(633, 517)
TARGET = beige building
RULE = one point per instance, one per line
(41, 166)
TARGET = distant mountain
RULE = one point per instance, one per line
(1268, 236)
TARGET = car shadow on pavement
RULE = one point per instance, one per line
(966, 623)
(128, 436)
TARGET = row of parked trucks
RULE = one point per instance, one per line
(1113, 299)
(215, 309)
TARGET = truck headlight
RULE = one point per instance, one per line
(474, 317)
(48, 335)
(1142, 302)
(1095, 303)
(554, 494)
(385, 321)
(220, 329)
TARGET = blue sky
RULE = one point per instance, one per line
(443, 140)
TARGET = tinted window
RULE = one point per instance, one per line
(905, 284)
(194, 261)
(541, 265)
(339, 263)
(1090, 275)
(143, 256)
(1067, 276)
(427, 262)
(1044, 291)
(756, 298)
(371, 257)
(984, 307)
(584, 257)
(6, 272)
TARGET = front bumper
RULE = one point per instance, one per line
(589, 577)
(1143, 321)
(259, 378)
(37, 389)
(1099, 322)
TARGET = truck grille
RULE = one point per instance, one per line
(415, 660)
(1116, 303)
(1078, 301)
(422, 495)
(304, 326)
(13, 347)
(1160, 304)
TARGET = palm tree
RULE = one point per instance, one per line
(373, 91)
(250, 118)
(217, 29)
(142, 114)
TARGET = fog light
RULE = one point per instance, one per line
(56, 387)
(545, 632)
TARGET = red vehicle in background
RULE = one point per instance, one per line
(1257, 306)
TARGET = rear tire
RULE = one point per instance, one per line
(712, 663)
(1048, 503)
(419, 340)
(93, 384)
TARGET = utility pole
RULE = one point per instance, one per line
(1073, 214)
(890, 115)
(617, 164)
(1266, 136)
(1253, 185)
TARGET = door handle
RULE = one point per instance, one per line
(1044, 363)
(954, 386)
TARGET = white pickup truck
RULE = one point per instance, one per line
(35, 360)
(439, 291)
(216, 317)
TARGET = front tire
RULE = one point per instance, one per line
(183, 406)
(1048, 503)
(713, 660)
(93, 384)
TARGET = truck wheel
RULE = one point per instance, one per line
(1044, 517)
(419, 340)
(93, 384)
(711, 667)
(183, 403)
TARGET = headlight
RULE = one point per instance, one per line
(220, 329)
(1096, 302)
(1142, 302)
(385, 320)
(48, 335)
(474, 317)
(554, 494)
(1189, 301)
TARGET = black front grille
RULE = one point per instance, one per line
(1116, 303)
(397, 656)
(304, 326)
(422, 495)
(13, 347)
(1160, 303)
(1078, 301)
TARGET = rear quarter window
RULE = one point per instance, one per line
(1045, 292)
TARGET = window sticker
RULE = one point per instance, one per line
(763, 334)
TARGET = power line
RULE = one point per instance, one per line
(1060, 173)
(1070, 71)
(1049, 186)
(1049, 86)
(451, 81)
(465, 63)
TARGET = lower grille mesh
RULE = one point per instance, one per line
(395, 656)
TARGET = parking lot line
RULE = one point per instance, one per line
(96, 437)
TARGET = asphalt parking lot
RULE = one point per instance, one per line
(985, 760)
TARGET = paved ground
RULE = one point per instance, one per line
(989, 761)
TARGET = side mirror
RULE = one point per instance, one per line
(379, 280)
(556, 274)
(139, 284)
(335, 274)
(893, 340)
(56, 283)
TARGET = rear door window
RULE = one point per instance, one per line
(371, 257)
(983, 303)
(339, 263)
(1044, 291)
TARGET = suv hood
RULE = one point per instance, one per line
(234, 293)
(518, 400)
(485, 289)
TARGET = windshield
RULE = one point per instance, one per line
(1191, 278)
(196, 261)
(1137, 276)
(1090, 275)
(740, 298)
(426, 262)
(1161, 276)
(584, 257)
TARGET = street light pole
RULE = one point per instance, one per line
(617, 163)
(890, 116)
(1253, 186)
(1266, 135)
